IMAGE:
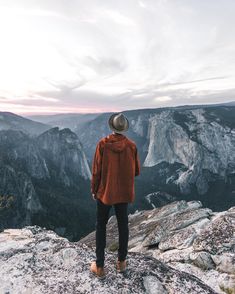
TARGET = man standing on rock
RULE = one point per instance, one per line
(115, 165)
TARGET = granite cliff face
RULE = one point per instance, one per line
(199, 145)
(44, 180)
(34, 260)
(185, 236)
(188, 152)
(65, 151)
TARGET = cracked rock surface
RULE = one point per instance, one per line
(35, 260)
(185, 236)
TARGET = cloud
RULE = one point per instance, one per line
(117, 17)
(142, 4)
(162, 98)
(102, 54)
(67, 86)
(104, 66)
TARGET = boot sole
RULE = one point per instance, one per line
(121, 271)
(99, 277)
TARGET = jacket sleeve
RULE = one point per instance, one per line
(96, 169)
(137, 163)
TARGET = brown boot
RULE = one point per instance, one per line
(121, 266)
(98, 271)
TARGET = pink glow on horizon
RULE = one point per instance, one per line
(33, 110)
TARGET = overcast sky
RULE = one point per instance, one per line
(108, 55)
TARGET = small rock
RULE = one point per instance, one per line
(153, 285)
(225, 262)
(202, 259)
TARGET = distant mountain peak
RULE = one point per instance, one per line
(12, 121)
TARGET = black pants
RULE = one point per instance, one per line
(102, 216)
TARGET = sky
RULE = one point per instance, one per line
(59, 56)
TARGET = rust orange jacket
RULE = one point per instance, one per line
(115, 164)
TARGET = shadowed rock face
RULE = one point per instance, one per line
(21, 202)
(34, 260)
(45, 180)
(186, 236)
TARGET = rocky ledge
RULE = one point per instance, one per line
(185, 236)
(35, 260)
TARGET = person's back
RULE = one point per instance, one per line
(115, 165)
(114, 168)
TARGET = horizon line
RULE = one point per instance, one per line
(28, 114)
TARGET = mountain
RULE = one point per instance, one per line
(65, 120)
(11, 121)
(45, 180)
(34, 260)
(231, 103)
(186, 151)
(185, 236)
(63, 149)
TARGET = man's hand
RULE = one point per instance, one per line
(93, 196)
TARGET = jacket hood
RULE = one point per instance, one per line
(116, 143)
